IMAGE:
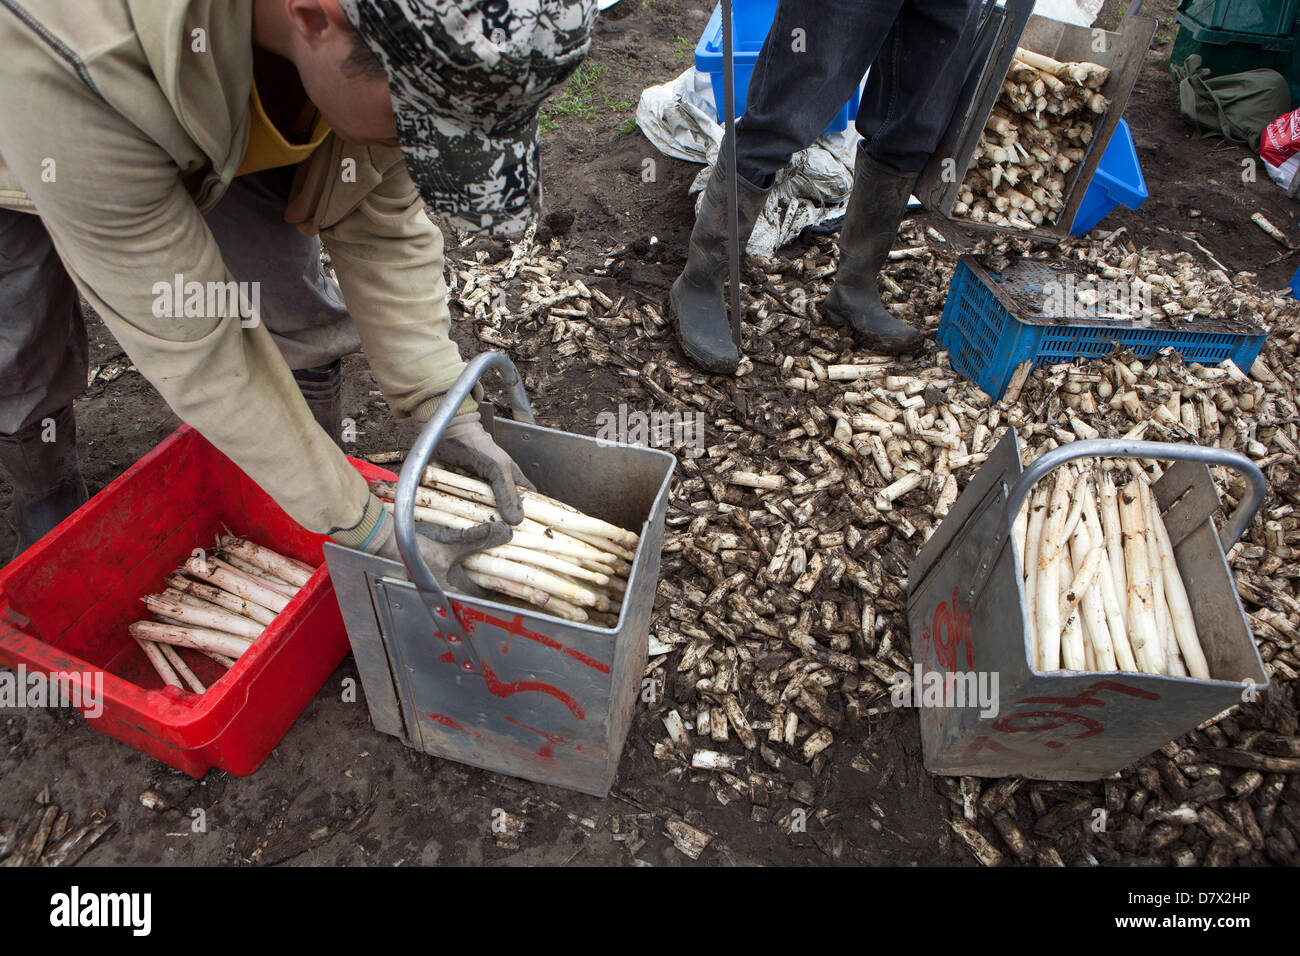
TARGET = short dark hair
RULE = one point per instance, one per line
(362, 63)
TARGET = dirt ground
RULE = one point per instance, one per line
(336, 792)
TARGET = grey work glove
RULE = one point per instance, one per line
(442, 549)
(466, 444)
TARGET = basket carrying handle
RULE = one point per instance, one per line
(431, 590)
(1237, 524)
(1116, 448)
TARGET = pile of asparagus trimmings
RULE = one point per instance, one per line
(1102, 587)
(558, 560)
(217, 605)
(1038, 131)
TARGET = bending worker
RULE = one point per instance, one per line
(917, 51)
(153, 155)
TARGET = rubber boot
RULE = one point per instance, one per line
(322, 386)
(41, 460)
(876, 207)
(696, 300)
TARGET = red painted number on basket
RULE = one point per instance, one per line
(1043, 723)
(949, 630)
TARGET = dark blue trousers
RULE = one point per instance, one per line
(815, 55)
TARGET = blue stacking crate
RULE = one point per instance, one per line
(751, 19)
(1117, 181)
(990, 325)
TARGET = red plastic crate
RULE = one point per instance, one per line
(65, 604)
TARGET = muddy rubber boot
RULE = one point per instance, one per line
(46, 477)
(876, 207)
(696, 301)
(322, 386)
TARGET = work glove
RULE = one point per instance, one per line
(442, 549)
(465, 444)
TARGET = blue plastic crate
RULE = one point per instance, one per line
(1118, 181)
(986, 339)
(751, 19)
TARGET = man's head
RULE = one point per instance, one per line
(457, 83)
(343, 78)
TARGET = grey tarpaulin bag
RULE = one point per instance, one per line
(1237, 106)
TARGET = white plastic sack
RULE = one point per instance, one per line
(679, 120)
(1079, 12)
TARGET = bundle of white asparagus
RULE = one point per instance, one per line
(1102, 585)
(1038, 131)
(558, 560)
(217, 605)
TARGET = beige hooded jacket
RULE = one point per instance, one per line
(121, 123)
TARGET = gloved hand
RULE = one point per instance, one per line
(441, 548)
(466, 444)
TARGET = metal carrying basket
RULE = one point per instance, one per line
(966, 613)
(495, 685)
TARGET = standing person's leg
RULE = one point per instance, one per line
(908, 101)
(303, 310)
(812, 60)
(43, 361)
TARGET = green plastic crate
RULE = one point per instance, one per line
(1247, 18)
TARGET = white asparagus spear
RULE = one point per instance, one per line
(198, 638)
(222, 575)
(272, 562)
(567, 541)
(525, 574)
(222, 659)
(536, 506)
(1020, 530)
(1096, 628)
(545, 560)
(159, 661)
(522, 592)
(1048, 608)
(552, 544)
(1073, 655)
(1029, 561)
(1173, 661)
(215, 619)
(1110, 600)
(174, 658)
(1085, 566)
(1114, 538)
(224, 599)
(1180, 608)
(257, 574)
(1142, 634)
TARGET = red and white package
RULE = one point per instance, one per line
(1279, 147)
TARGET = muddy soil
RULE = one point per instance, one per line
(337, 792)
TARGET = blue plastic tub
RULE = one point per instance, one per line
(988, 332)
(751, 20)
(1117, 181)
